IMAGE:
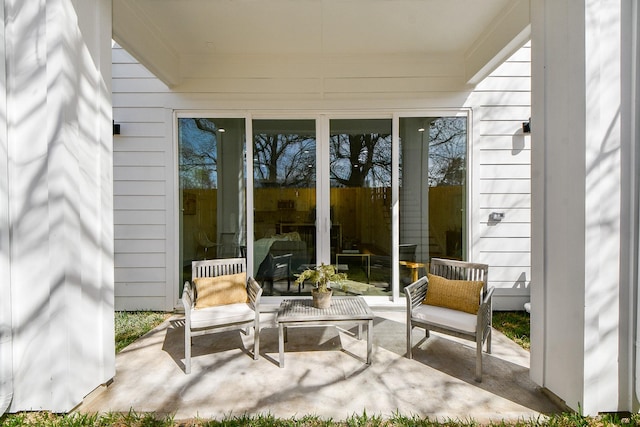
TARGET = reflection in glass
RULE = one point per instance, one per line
(360, 178)
(432, 192)
(284, 171)
(212, 189)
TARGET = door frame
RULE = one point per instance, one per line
(322, 120)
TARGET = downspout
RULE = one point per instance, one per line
(6, 327)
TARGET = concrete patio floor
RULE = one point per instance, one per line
(324, 375)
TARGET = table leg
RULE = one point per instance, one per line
(359, 331)
(281, 344)
(369, 269)
(369, 341)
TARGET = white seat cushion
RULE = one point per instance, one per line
(221, 315)
(446, 317)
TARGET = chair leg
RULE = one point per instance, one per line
(479, 359)
(256, 342)
(489, 342)
(409, 341)
(187, 350)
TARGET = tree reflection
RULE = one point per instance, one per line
(198, 152)
(284, 160)
(360, 160)
(447, 151)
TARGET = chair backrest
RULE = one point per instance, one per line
(460, 270)
(217, 267)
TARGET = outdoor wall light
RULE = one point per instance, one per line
(526, 126)
(116, 128)
(496, 216)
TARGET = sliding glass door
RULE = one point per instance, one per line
(433, 188)
(360, 203)
(211, 189)
(325, 189)
(284, 200)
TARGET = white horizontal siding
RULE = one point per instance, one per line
(134, 303)
(501, 185)
(140, 187)
(139, 274)
(123, 246)
(139, 173)
(501, 179)
(130, 114)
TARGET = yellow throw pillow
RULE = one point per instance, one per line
(221, 290)
(461, 295)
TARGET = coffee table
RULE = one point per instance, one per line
(300, 312)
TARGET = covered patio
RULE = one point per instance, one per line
(89, 222)
(325, 375)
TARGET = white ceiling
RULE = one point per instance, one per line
(323, 27)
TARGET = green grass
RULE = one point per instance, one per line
(132, 325)
(133, 419)
(515, 325)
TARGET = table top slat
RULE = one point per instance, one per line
(342, 308)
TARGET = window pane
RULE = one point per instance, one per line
(284, 171)
(360, 177)
(432, 191)
(212, 189)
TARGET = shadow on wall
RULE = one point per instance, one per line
(517, 142)
(521, 283)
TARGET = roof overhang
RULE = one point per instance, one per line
(478, 34)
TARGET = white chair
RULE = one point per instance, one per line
(240, 315)
(475, 327)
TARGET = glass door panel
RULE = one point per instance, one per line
(284, 173)
(212, 189)
(433, 170)
(360, 198)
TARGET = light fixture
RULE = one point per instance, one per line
(420, 129)
(221, 130)
(496, 216)
(526, 126)
(116, 127)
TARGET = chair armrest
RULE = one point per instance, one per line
(485, 313)
(187, 296)
(254, 292)
(488, 296)
(415, 293)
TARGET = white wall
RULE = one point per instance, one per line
(59, 175)
(145, 237)
(584, 205)
(142, 173)
(501, 179)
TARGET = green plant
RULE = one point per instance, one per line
(321, 275)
